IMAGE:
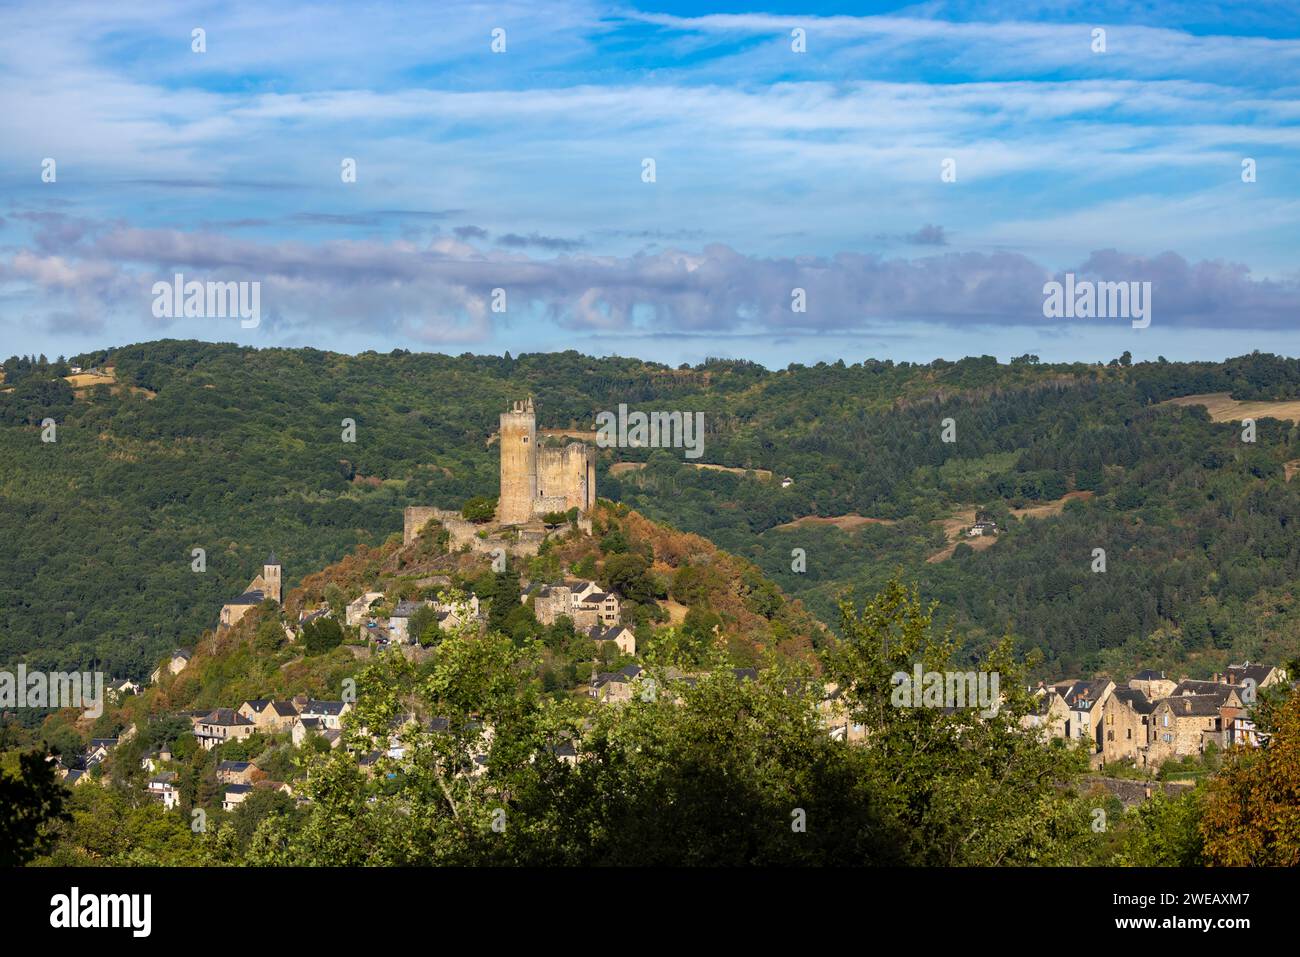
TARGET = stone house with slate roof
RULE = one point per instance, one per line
(222, 725)
(1126, 726)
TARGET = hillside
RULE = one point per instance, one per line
(730, 608)
(240, 452)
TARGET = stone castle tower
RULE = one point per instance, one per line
(536, 481)
(518, 464)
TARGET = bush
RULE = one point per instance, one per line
(321, 636)
(479, 509)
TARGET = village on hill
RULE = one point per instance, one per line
(1129, 730)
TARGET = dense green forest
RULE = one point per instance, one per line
(240, 451)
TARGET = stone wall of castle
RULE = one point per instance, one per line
(523, 541)
(566, 477)
(533, 482)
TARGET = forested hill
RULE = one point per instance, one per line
(186, 445)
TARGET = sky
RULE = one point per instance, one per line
(829, 181)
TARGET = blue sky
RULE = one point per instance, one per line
(775, 170)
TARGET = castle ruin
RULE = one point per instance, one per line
(535, 482)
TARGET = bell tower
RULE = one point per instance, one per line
(271, 579)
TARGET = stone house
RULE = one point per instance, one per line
(269, 716)
(174, 665)
(329, 713)
(1183, 725)
(583, 602)
(1126, 723)
(591, 606)
(1085, 700)
(450, 615)
(1154, 684)
(220, 726)
(304, 727)
(1263, 676)
(235, 795)
(616, 687)
(358, 609)
(236, 772)
(622, 636)
(1051, 714)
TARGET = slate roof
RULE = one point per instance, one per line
(313, 707)
(1043, 703)
(1195, 705)
(1135, 699)
(626, 673)
(1193, 686)
(1083, 695)
(254, 597)
(1237, 674)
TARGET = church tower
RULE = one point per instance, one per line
(518, 463)
(271, 579)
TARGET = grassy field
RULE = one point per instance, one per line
(846, 523)
(1223, 408)
(622, 468)
(955, 524)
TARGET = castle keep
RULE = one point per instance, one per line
(535, 480)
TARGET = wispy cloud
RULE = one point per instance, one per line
(774, 169)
